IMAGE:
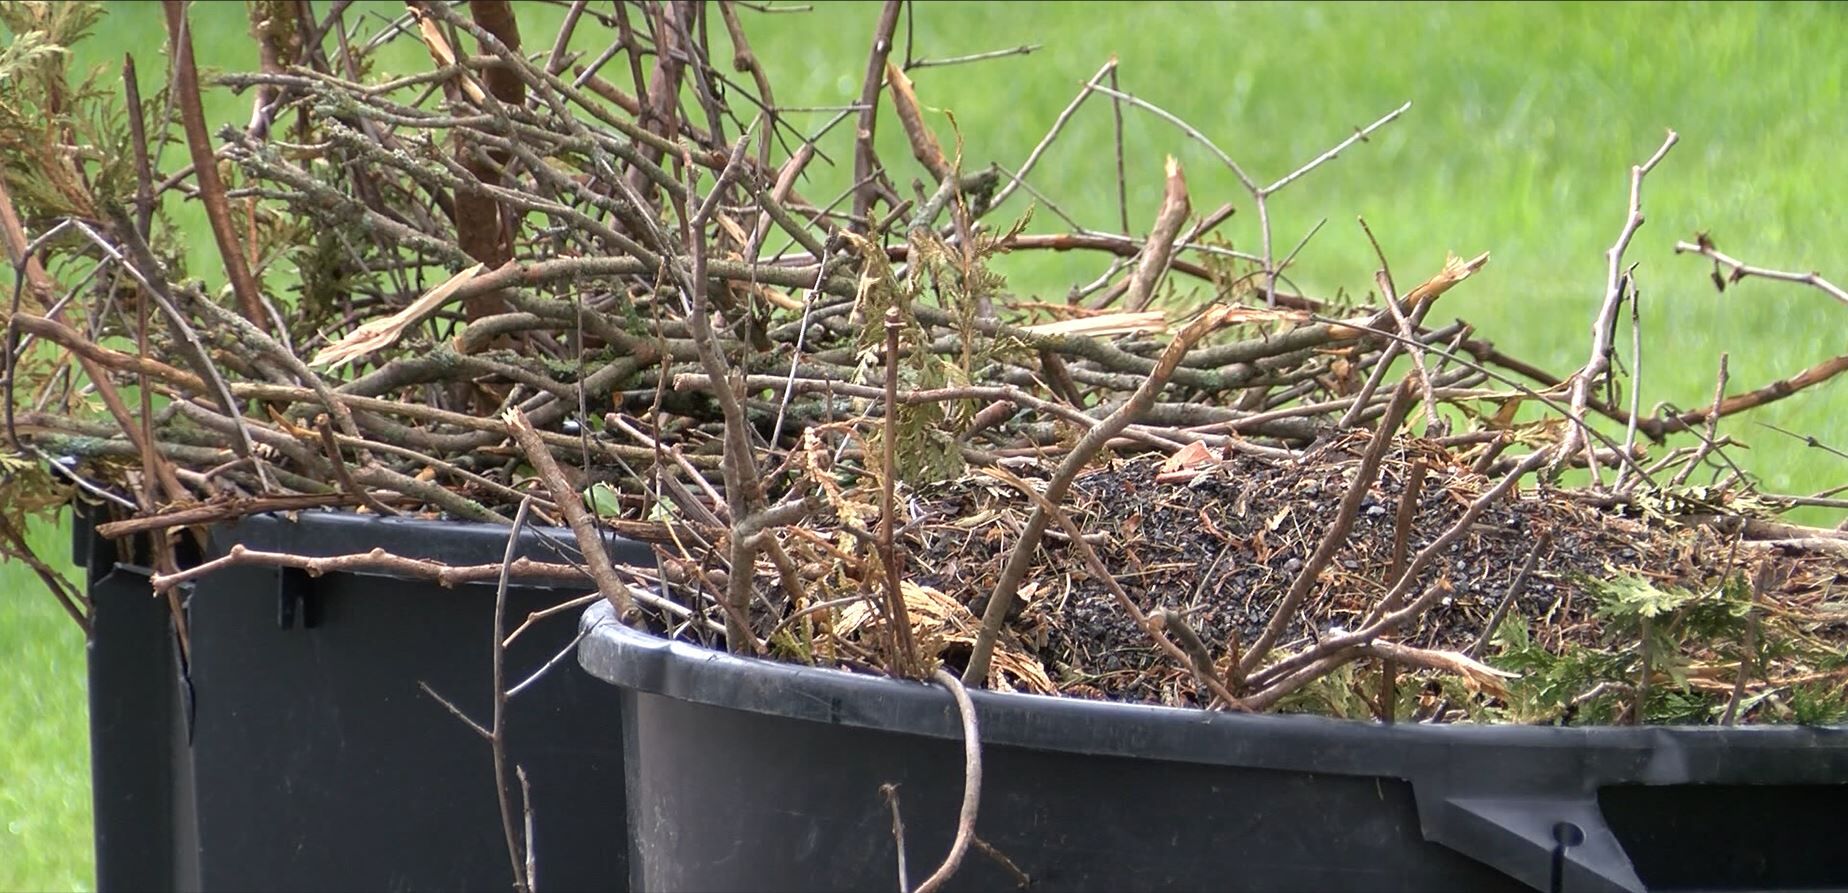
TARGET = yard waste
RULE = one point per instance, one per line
(531, 288)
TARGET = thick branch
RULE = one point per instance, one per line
(205, 165)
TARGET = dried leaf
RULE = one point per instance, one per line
(1455, 270)
(1185, 464)
(939, 620)
(1276, 520)
(1193, 455)
(1504, 417)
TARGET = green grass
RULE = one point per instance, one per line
(45, 757)
(1526, 118)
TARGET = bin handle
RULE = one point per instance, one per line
(1554, 843)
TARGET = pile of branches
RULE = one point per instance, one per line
(597, 291)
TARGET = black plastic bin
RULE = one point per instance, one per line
(753, 775)
(298, 752)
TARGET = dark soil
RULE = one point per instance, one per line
(1225, 545)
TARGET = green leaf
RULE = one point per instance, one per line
(1629, 598)
(602, 499)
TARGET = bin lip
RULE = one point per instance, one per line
(321, 533)
(1754, 754)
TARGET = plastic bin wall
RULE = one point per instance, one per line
(747, 774)
(298, 752)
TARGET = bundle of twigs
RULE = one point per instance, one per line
(521, 277)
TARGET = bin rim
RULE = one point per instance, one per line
(325, 532)
(1595, 755)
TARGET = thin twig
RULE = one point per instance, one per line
(1262, 196)
(497, 730)
(1777, 390)
(904, 646)
(1602, 324)
(1052, 134)
(1409, 494)
(455, 711)
(1738, 270)
(1022, 50)
(137, 132)
(526, 811)
(1021, 879)
(1160, 247)
(1711, 440)
(890, 792)
(1122, 168)
(1186, 128)
(565, 652)
(1509, 595)
(377, 561)
(331, 448)
(1360, 135)
(1335, 538)
(972, 784)
(1434, 425)
(1809, 440)
(865, 172)
(68, 598)
(1292, 673)
(589, 538)
(1636, 385)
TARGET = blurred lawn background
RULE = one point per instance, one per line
(1525, 120)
